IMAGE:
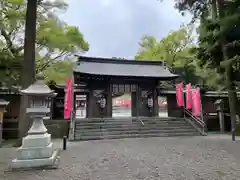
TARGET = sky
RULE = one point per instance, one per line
(113, 28)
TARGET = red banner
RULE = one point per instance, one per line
(188, 96)
(179, 95)
(68, 100)
(196, 102)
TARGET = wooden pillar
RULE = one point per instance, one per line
(155, 103)
(87, 104)
(134, 101)
(51, 107)
(90, 107)
(74, 103)
(1, 125)
(138, 99)
(109, 100)
(136, 95)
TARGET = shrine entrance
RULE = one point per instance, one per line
(163, 106)
(122, 105)
(101, 82)
(122, 100)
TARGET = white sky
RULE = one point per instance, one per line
(113, 28)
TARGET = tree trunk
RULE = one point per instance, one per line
(214, 9)
(28, 65)
(232, 95)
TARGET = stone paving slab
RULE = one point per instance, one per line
(213, 157)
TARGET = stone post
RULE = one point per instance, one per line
(219, 108)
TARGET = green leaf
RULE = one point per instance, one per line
(56, 42)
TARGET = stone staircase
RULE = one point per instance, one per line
(117, 128)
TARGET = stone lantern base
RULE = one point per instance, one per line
(37, 150)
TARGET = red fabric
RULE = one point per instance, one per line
(196, 102)
(179, 95)
(124, 102)
(188, 96)
(68, 100)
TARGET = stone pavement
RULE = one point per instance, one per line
(213, 157)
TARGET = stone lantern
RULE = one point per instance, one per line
(3, 105)
(37, 149)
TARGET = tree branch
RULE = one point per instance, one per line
(8, 41)
(50, 61)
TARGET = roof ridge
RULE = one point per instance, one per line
(120, 61)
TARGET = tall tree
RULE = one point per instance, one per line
(219, 44)
(175, 49)
(55, 42)
(28, 63)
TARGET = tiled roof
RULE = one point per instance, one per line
(125, 68)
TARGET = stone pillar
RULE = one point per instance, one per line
(219, 107)
(221, 121)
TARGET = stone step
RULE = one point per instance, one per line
(120, 126)
(150, 131)
(117, 128)
(122, 136)
(133, 127)
(126, 119)
(131, 122)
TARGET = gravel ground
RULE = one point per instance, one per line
(213, 157)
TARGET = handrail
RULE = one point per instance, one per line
(200, 121)
(141, 121)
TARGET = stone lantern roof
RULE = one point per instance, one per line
(39, 88)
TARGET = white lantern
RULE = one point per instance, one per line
(102, 102)
(150, 102)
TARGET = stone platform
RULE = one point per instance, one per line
(51, 162)
(36, 151)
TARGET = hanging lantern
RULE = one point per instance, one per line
(150, 102)
(102, 102)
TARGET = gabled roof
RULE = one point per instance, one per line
(124, 68)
